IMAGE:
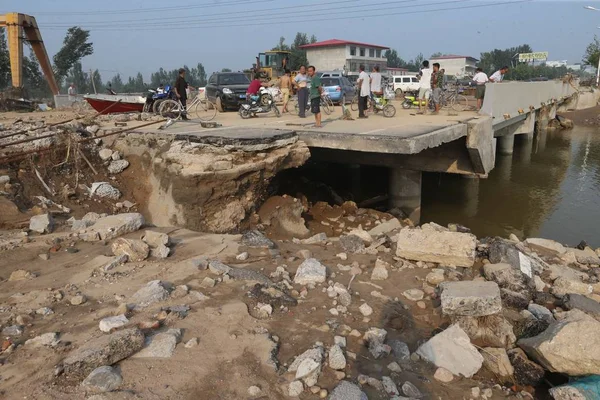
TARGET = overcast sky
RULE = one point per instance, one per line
(143, 35)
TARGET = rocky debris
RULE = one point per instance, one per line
(570, 346)
(193, 342)
(161, 252)
(13, 330)
(517, 300)
(103, 379)
(496, 361)
(443, 375)
(429, 245)
(577, 389)
(589, 306)
(365, 309)
(49, 339)
(311, 271)
(389, 386)
(435, 277)
(347, 391)
(112, 226)
(380, 272)
(506, 276)
(4, 179)
(541, 313)
(218, 268)
(78, 300)
(284, 215)
(414, 294)
(256, 239)
(400, 350)
(352, 244)
(115, 262)
(104, 350)
(505, 252)
(470, 298)
(410, 390)
(308, 366)
(155, 239)
(208, 283)
(362, 234)
(295, 389)
(153, 292)
(546, 244)
(315, 239)
(43, 223)
(160, 345)
(385, 227)
(118, 166)
(20, 275)
(105, 190)
(526, 372)
(375, 339)
(563, 286)
(254, 392)
(491, 330)
(452, 350)
(109, 324)
(136, 250)
(337, 360)
(586, 256)
(105, 154)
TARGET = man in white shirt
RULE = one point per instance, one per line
(72, 92)
(424, 86)
(480, 80)
(375, 85)
(498, 76)
(365, 90)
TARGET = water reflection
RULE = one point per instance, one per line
(549, 187)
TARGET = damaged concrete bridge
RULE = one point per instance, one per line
(408, 144)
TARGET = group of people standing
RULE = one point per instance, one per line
(481, 78)
(431, 83)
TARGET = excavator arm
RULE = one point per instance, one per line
(16, 24)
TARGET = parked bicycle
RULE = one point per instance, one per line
(326, 104)
(204, 109)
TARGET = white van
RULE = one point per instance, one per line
(405, 83)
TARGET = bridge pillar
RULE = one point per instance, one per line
(471, 192)
(543, 118)
(506, 144)
(527, 127)
(405, 192)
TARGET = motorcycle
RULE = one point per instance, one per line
(259, 104)
(154, 98)
(412, 99)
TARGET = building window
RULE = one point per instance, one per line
(372, 53)
(378, 53)
(352, 50)
(362, 51)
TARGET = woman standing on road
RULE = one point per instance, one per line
(301, 81)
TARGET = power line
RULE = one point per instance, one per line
(244, 17)
(152, 9)
(329, 19)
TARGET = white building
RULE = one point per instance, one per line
(559, 63)
(336, 54)
(457, 66)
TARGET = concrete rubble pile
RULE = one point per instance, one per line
(375, 309)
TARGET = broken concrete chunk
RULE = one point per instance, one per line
(160, 345)
(380, 272)
(439, 247)
(105, 190)
(546, 244)
(452, 350)
(503, 251)
(385, 227)
(337, 360)
(155, 239)
(47, 339)
(20, 275)
(490, 330)
(105, 154)
(160, 252)
(347, 391)
(136, 250)
(118, 166)
(496, 360)
(526, 372)
(153, 292)
(103, 379)
(43, 223)
(255, 238)
(570, 346)
(589, 306)
(113, 226)
(506, 276)
(586, 256)
(109, 324)
(316, 239)
(218, 268)
(470, 298)
(310, 271)
(104, 350)
(563, 285)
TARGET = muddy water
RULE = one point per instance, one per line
(549, 187)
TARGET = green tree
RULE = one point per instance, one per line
(33, 79)
(97, 79)
(5, 75)
(225, 70)
(437, 54)
(393, 59)
(197, 77)
(117, 83)
(281, 46)
(493, 60)
(75, 47)
(313, 39)
(80, 78)
(592, 53)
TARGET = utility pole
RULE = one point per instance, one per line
(93, 82)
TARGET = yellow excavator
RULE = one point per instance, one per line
(22, 27)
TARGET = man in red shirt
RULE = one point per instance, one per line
(254, 88)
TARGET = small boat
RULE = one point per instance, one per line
(100, 102)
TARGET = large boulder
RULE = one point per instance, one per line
(452, 350)
(104, 350)
(447, 248)
(43, 223)
(472, 298)
(506, 276)
(135, 249)
(113, 226)
(578, 302)
(570, 346)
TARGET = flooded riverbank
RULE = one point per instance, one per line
(549, 187)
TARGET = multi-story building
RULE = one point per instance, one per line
(457, 66)
(344, 55)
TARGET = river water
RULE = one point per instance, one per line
(549, 187)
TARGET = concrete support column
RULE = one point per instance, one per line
(405, 192)
(471, 193)
(506, 144)
(543, 118)
(526, 148)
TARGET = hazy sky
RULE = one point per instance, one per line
(129, 37)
